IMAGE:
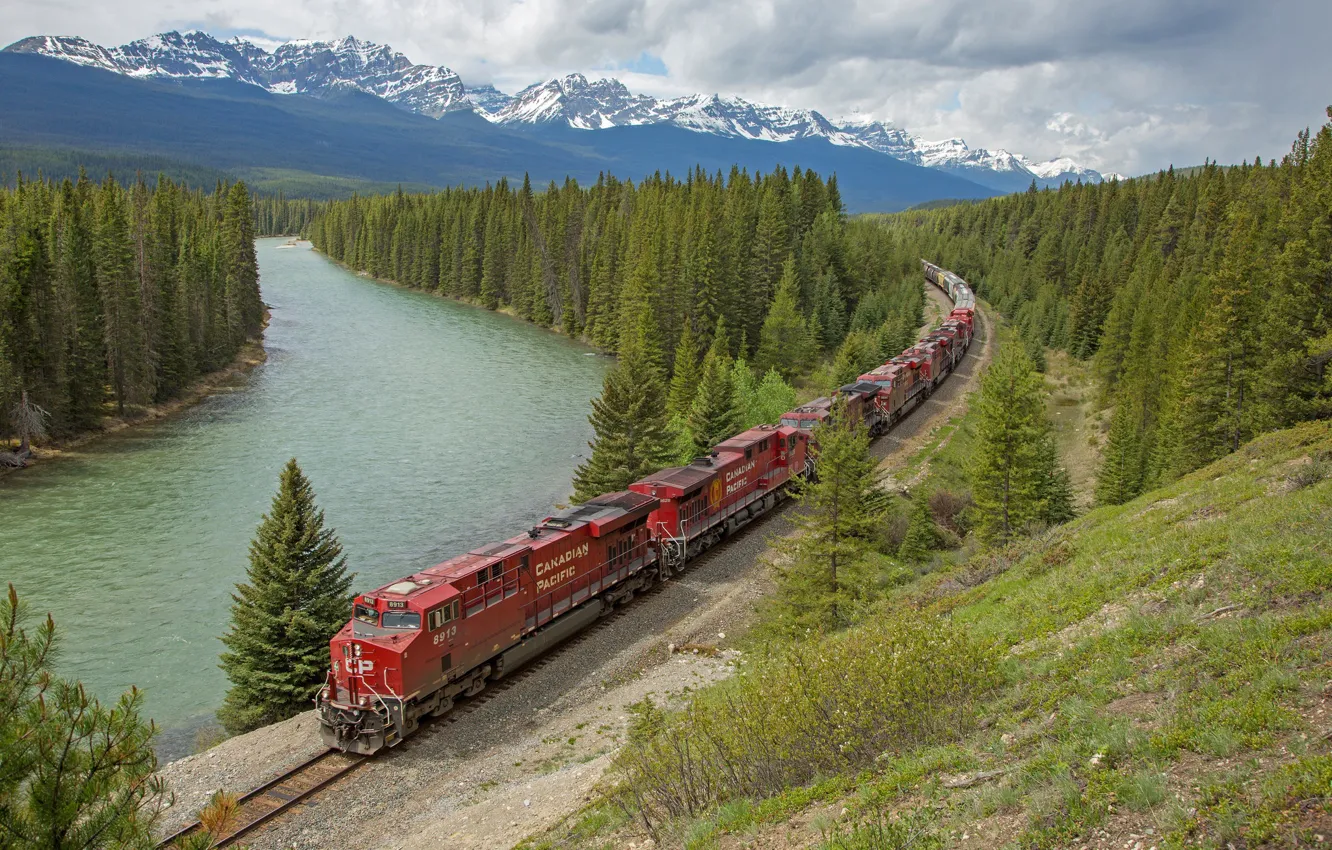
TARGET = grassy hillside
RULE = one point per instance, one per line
(1162, 678)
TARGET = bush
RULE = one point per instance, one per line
(949, 510)
(825, 707)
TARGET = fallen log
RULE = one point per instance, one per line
(15, 460)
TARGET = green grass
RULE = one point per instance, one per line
(1164, 664)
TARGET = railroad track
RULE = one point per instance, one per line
(263, 804)
(277, 795)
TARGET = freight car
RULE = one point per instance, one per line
(417, 645)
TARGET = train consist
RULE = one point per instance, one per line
(417, 645)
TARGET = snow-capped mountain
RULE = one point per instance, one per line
(318, 68)
(487, 99)
(298, 67)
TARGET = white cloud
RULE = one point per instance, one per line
(1127, 85)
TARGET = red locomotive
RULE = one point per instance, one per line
(414, 647)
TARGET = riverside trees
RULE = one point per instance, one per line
(119, 295)
(296, 598)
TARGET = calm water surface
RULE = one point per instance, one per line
(427, 427)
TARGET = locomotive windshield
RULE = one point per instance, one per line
(401, 620)
(366, 615)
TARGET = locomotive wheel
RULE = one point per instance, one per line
(444, 707)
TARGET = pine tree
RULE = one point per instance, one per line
(632, 437)
(784, 342)
(713, 416)
(821, 573)
(74, 774)
(922, 536)
(295, 599)
(1011, 441)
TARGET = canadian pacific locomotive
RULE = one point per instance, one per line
(415, 646)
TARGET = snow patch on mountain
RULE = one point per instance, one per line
(324, 67)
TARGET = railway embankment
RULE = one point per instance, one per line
(1162, 677)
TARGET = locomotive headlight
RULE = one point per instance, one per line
(356, 650)
(323, 695)
(364, 701)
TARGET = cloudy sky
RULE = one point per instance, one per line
(1122, 85)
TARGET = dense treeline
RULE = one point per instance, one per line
(278, 215)
(113, 296)
(589, 260)
(1204, 301)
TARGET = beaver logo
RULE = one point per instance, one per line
(715, 493)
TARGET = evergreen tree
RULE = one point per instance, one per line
(632, 438)
(1056, 491)
(688, 372)
(1222, 372)
(1119, 478)
(744, 393)
(296, 597)
(821, 570)
(785, 343)
(1011, 445)
(922, 536)
(714, 417)
(74, 774)
(857, 355)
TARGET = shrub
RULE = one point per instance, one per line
(825, 707)
(949, 509)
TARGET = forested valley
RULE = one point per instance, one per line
(1202, 299)
(114, 297)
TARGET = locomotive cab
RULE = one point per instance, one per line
(371, 675)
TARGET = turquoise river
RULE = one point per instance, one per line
(426, 426)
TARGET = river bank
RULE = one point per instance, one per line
(231, 376)
(425, 428)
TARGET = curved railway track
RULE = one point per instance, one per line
(266, 802)
(262, 804)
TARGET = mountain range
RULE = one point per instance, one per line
(351, 65)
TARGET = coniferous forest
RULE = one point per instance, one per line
(114, 297)
(1202, 299)
(590, 260)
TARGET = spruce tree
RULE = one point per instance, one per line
(922, 536)
(857, 355)
(821, 571)
(1011, 445)
(713, 417)
(784, 342)
(1056, 486)
(1119, 478)
(632, 437)
(296, 597)
(686, 375)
